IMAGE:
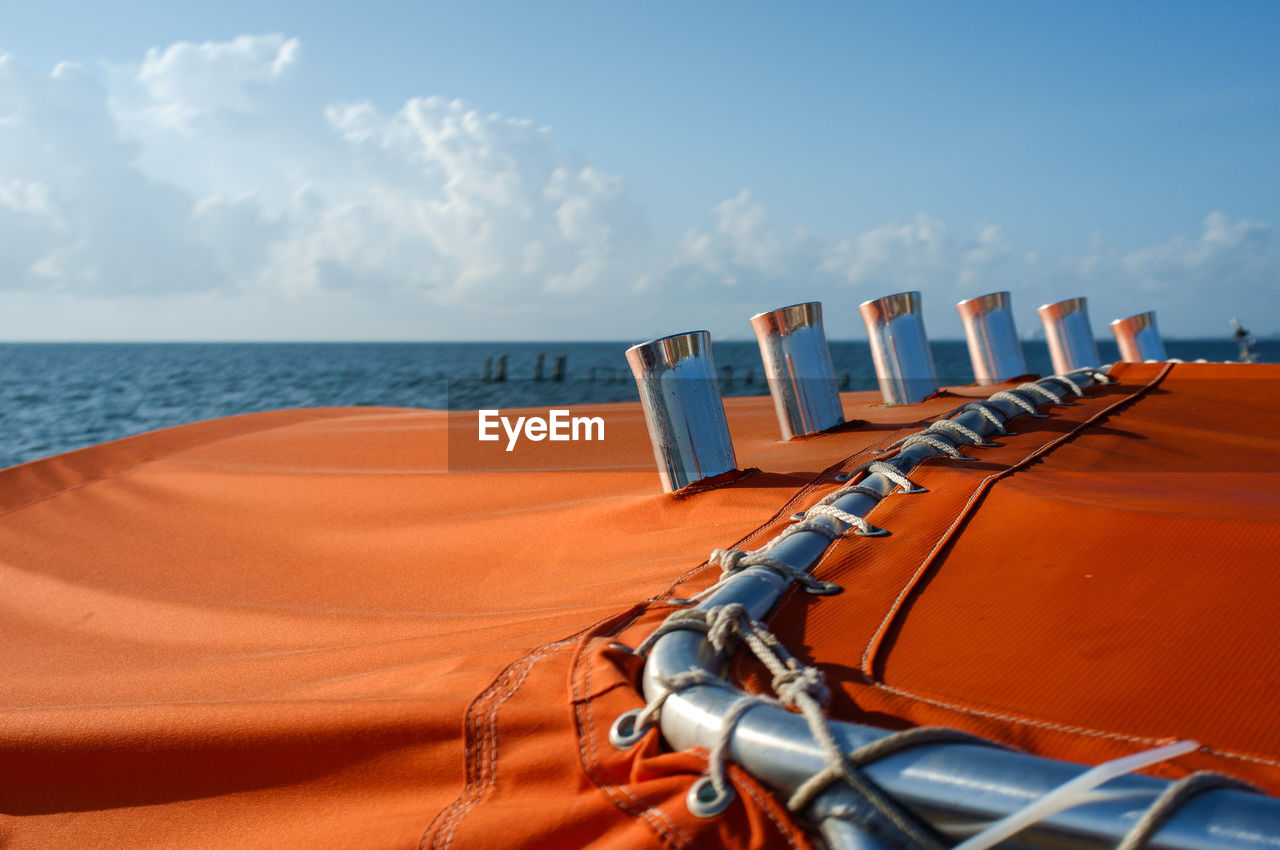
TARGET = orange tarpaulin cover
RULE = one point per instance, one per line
(362, 628)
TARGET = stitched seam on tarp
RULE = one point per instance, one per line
(167, 456)
(748, 785)
(478, 781)
(636, 807)
(899, 604)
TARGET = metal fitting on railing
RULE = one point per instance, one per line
(682, 408)
(900, 348)
(1138, 338)
(797, 364)
(1070, 338)
(994, 349)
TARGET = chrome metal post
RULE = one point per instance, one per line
(900, 348)
(797, 364)
(682, 408)
(994, 349)
(1139, 338)
(1070, 338)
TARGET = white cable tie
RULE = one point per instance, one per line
(1071, 794)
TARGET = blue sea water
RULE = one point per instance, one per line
(55, 397)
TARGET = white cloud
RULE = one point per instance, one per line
(212, 173)
(1225, 252)
(185, 80)
(75, 215)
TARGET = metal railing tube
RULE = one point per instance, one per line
(994, 349)
(958, 788)
(1070, 337)
(680, 396)
(900, 348)
(1139, 338)
(797, 364)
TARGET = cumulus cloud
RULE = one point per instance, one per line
(491, 204)
(185, 80)
(214, 173)
(75, 214)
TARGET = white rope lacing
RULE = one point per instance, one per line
(1067, 382)
(804, 689)
(734, 561)
(941, 436)
(1033, 387)
(1017, 400)
(888, 470)
(969, 434)
(985, 409)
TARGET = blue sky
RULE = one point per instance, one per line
(608, 170)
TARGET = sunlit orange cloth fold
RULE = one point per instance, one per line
(279, 628)
(358, 628)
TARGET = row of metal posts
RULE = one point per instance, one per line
(685, 414)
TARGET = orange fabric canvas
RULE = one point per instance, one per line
(360, 628)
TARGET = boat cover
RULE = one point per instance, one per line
(362, 628)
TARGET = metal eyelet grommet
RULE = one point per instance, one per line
(680, 602)
(796, 517)
(914, 490)
(625, 733)
(621, 647)
(705, 801)
(841, 476)
(966, 458)
(872, 531)
(824, 588)
(985, 444)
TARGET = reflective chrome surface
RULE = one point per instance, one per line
(1138, 338)
(958, 788)
(994, 349)
(899, 347)
(681, 400)
(1070, 338)
(797, 364)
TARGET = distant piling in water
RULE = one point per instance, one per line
(495, 368)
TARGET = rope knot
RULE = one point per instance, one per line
(722, 624)
(791, 684)
(729, 560)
